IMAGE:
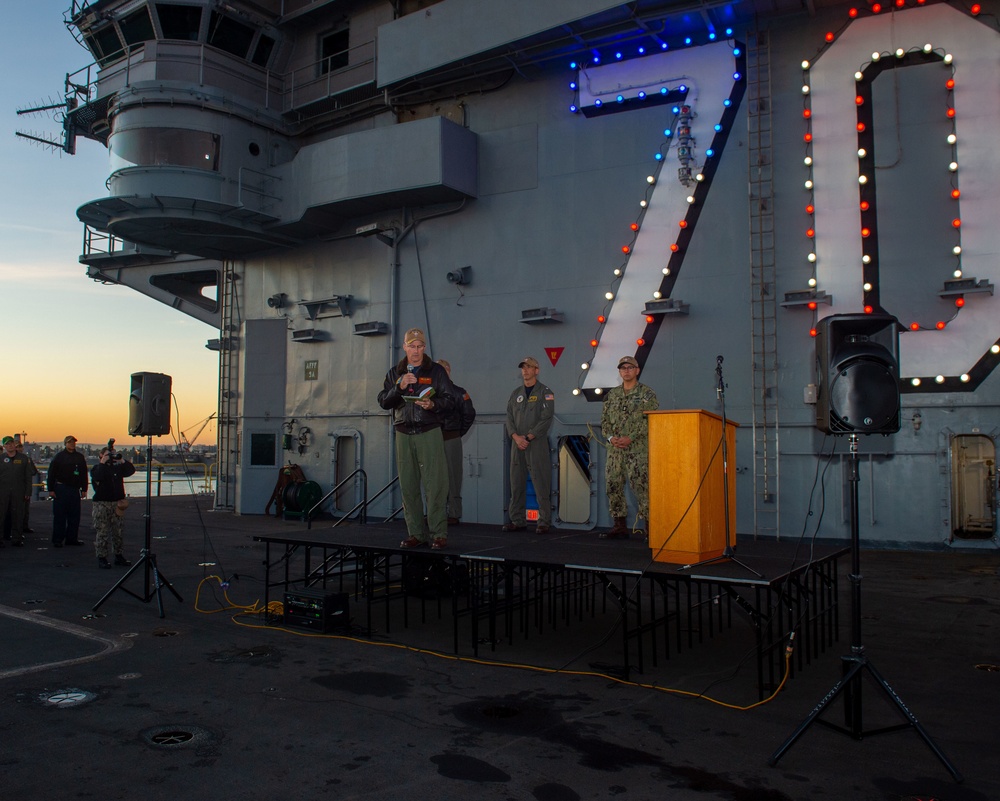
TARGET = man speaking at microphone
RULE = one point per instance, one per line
(419, 393)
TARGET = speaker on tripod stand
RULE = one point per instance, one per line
(857, 358)
(148, 416)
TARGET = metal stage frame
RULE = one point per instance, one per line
(500, 586)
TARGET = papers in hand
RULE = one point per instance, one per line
(424, 394)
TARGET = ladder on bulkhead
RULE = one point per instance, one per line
(229, 348)
(763, 294)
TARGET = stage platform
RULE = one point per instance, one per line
(501, 585)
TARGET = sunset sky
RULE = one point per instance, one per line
(70, 345)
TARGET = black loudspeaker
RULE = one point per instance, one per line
(857, 358)
(149, 405)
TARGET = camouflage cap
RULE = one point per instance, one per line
(627, 360)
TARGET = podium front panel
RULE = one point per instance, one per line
(687, 496)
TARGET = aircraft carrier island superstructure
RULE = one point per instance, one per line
(697, 185)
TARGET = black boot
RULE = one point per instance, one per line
(103, 563)
(121, 561)
(619, 531)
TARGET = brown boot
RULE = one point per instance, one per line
(619, 531)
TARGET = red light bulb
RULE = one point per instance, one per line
(634, 226)
(950, 113)
(683, 223)
(852, 13)
(674, 248)
(940, 324)
(810, 208)
(869, 309)
(807, 113)
(955, 193)
(914, 326)
(810, 233)
(859, 100)
(865, 205)
(829, 36)
(811, 305)
(626, 249)
(866, 232)
(956, 223)
(808, 137)
(876, 7)
(602, 319)
(593, 343)
(812, 332)
(960, 302)
(649, 318)
(976, 8)
(640, 342)
(949, 84)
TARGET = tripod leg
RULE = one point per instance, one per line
(817, 711)
(140, 562)
(906, 713)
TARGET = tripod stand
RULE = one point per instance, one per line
(857, 661)
(728, 553)
(147, 559)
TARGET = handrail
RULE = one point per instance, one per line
(363, 505)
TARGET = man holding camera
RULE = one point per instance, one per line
(108, 511)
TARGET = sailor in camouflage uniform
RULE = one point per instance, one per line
(624, 426)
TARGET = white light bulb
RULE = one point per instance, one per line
(900, 52)
(948, 58)
(866, 259)
(805, 88)
(956, 274)
(657, 295)
(690, 198)
(808, 184)
(915, 382)
(964, 378)
(650, 179)
(862, 152)
(666, 271)
(808, 160)
(953, 167)
(811, 258)
(598, 391)
(939, 379)
(995, 349)
(858, 76)
(957, 250)
(700, 177)
(862, 179)
(805, 65)
(642, 203)
(576, 390)
(618, 271)
(812, 283)
(584, 366)
(928, 47)
(876, 56)
(868, 287)
(609, 295)
(952, 139)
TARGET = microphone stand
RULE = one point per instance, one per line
(727, 552)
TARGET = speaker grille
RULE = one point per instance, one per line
(864, 397)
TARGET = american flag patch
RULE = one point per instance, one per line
(550, 396)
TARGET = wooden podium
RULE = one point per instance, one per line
(681, 448)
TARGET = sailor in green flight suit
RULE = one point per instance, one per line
(529, 417)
